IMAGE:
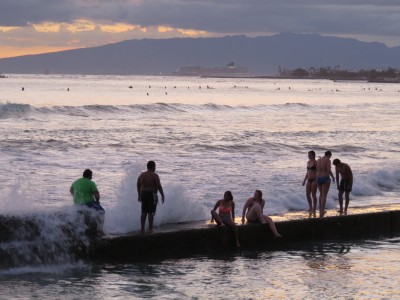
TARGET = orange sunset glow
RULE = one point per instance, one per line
(49, 37)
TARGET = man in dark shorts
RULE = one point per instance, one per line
(346, 183)
(148, 184)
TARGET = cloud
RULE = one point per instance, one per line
(85, 33)
(370, 20)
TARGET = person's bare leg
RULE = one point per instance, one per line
(314, 196)
(308, 194)
(151, 219)
(217, 218)
(340, 195)
(259, 212)
(142, 221)
(320, 197)
(324, 194)
(271, 225)
(232, 224)
(347, 195)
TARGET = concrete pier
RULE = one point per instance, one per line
(182, 240)
(51, 237)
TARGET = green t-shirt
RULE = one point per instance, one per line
(83, 190)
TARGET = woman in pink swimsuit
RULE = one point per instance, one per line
(226, 214)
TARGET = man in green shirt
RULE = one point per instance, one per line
(85, 193)
(84, 190)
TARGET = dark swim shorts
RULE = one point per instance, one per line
(149, 202)
(95, 205)
(346, 185)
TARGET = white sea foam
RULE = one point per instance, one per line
(124, 216)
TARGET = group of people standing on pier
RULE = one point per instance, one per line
(318, 176)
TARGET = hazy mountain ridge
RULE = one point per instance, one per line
(262, 55)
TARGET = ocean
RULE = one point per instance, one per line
(207, 135)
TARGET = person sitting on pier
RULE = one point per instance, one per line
(85, 192)
(226, 214)
(253, 210)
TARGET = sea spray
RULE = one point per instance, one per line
(124, 216)
(34, 236)
(42, 238)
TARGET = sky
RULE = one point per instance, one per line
(41, 26)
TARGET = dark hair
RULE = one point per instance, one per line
(259, 192)
(229, 195)
(151, 165)
(336, 162)
(328, 153)
(87, 174)
(312, 152)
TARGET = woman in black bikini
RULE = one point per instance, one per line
(311, 187)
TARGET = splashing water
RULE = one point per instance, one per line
(124, 216)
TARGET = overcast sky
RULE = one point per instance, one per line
(35, 26)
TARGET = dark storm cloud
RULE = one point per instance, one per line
(379, 17)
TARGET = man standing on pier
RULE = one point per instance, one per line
(345, 185)
(148, 184)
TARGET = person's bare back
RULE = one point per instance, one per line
(323, 166)
(149, 181)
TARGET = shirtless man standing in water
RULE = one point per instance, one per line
(346, 183)
(148, 184)
(323, 180)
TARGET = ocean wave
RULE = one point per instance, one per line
(10, 110)
(42, 238)
(377, 182)
(296, 104)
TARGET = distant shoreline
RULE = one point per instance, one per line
(276, 77)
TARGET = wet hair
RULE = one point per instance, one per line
(87, 173)
(259, 192)
(151, 165)
(312, 152)
(328, 153)
(229, 195)
(336, 162)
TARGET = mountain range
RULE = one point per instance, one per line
(261, 55)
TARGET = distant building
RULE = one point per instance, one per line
(230, 70)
